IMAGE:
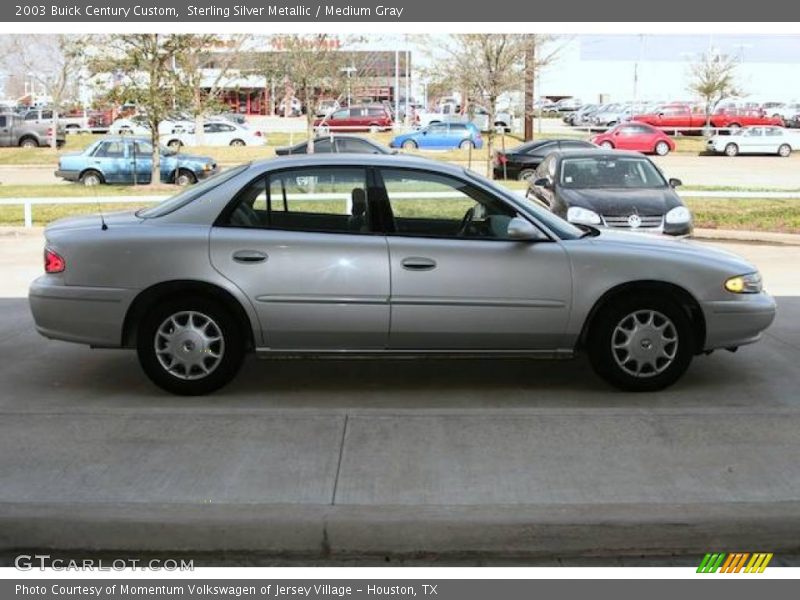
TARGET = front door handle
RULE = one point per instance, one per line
(418, 263)
(249, 256)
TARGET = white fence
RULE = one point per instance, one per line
(27, 204)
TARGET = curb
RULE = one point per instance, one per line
(326, 531)
(736, 235)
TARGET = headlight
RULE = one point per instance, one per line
(749, 283)
(576, 214)
(679, 214)
(208, 167)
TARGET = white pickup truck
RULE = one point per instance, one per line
(480, 118)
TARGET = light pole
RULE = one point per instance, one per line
(349, 70)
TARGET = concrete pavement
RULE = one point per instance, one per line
(451, 457)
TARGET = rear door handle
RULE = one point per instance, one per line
(418, 263)
(249, 256)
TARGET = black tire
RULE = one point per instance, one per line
(28, 142)
(466, 145)
(174, 144)
(785, 150)
(224, 370)
(662, 148)
(606, 359)
(185, 177)
(731, 150)
(409, 145)
(237, 142)
(91, 178)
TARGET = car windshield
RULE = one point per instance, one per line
(189, 194)
(610, 172)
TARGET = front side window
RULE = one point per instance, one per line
(330, 200)
(433, 205)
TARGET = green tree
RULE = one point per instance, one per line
(713, 78)
(144, 69)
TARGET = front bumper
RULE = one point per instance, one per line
(739, 321)
(87, 315)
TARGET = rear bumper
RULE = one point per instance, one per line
(87, 315)
(68, 175)
(739, 321)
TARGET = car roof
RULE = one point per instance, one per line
(596, 153)
(365, 160)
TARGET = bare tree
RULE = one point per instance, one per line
(144, 68)
(314, 66)
(485, 66)
(205, 64)
(713, 78)
(55, 63)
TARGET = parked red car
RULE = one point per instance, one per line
(636, 136)
(373, 118)
(688, 118)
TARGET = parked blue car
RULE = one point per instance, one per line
(440, 136)
(113, 160)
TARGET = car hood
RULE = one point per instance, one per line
(92, 221)
(648, 243)
(623, 201)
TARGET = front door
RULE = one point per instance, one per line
(302, 244)
(458, 281)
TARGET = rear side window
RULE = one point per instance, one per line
(332, 200)
(110, 150)
(2, 121)
(377, 112)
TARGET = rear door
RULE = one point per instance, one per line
(303, 245)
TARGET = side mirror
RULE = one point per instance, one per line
(542, 182)
(675, 182)
(520, 229)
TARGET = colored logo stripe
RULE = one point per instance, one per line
(734, 562)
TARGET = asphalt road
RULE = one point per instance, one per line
(336, 458)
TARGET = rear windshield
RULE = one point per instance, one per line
(190, 194)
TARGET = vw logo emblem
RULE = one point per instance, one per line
(634, 221)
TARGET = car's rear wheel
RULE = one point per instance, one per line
(466, 144)
(785, 150)
(29, 143)
(190, 346)
(641, 343)
(731, 150)
(237, 143)
(374, 128)
(527, 174)
(607, 145)
(185, 177)
(409, 145)
(174, 144)
(91, 178)
(662, 148)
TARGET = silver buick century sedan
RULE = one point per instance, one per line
(357, 255)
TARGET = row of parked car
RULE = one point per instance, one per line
(682, 117)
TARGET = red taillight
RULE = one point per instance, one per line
(53, 263)
(502, 158)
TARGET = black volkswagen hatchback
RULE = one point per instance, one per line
(610, 188)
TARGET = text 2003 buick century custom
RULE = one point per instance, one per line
(383, 255)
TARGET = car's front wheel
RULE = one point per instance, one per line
(641, 343)
(237, 142)
(466, 145)
(731, 150)
(607, 145)
(190, 346)
(409, 145)
(785, 150)
(185, 177)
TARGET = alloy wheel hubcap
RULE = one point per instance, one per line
(644, 343)
(189, 345)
